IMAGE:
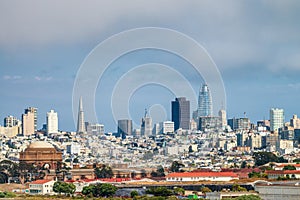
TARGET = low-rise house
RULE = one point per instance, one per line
(41, 187)
(201, 176)
(275, 174)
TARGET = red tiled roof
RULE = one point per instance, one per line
(291, 164)
(291, 171)
(202, 174)
(41, 181)
(274, 171)
(283, 172)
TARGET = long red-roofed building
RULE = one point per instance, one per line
(201, 176)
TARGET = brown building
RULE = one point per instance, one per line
(41, 154)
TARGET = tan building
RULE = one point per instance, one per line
(42, 154)
(9, 131)
(28, 123)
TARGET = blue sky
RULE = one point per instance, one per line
(255, 45)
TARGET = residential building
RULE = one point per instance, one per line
(52, 122)
(193, 125)
(181, 113)
(11, 121)
(28, 123)
(222, 115)
(94, 129)
(295, 122)
(166, 127)
(35, 115)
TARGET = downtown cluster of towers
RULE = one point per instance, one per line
(181, 117)
(28, 123)
(202, 119)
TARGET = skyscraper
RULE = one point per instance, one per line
(34, 111)
(52, 122)
(181, 113)
(124, 127)
(205, 107)
(80, 121)
(276, 119)
(146, 125)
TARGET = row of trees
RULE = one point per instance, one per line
(99, 190)
(164, 191)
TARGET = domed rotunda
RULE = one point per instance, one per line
(41, 154)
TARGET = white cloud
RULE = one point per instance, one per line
(13, 77)
(40, 78)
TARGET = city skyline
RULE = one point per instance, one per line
(256, 54)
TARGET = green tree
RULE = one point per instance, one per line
(143, 173)
(160, 191)
(160, 172)
(244, 164)
(88, 190)
(245, 197)
(63, 187)
(134, 193)
(191, 149)
(107, 190)
(205, 190)
(179, 191)
(175, 166)
(262, 158)
(76, 160)
(8, 169)
(289, 167)
(238, 188)
(103, 172)
(99, 190)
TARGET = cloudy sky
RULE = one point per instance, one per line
(254, 44)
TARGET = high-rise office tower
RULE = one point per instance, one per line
(276, 119)
(222, 115)
(28, 124)
(146, 125)
(80, 121)
(205, 107)
(34, 111)
(181, 113)
(52, 122)
(124, 127)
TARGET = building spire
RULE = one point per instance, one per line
(80, 121)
